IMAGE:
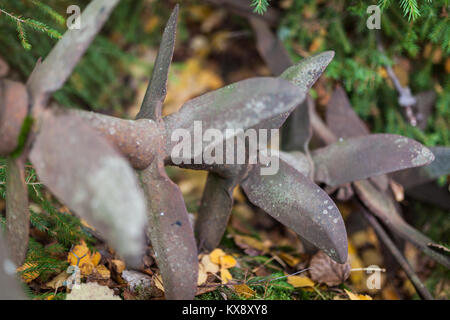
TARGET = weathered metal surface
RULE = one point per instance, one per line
(341, 118)
(298, 160)
(13, 110)
(157, 90)
(362, 157)
(59, 64)
(87, 174)
(270, 47)
(416, 176)
(297, 131)
(17, 213)
(4, 68)
(423, 107)
(9, 284)
(170, 232)
(305, 73)
(383, 206)
(215, 208)
(298, 203)
(254, 103)
(243, 8)
(135, 139)
(431, 193)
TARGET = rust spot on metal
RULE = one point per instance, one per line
(13, 110)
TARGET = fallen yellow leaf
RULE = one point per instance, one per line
(215, 255)
(227, 261)
(159, 282)
(28, 276)
(103, 272)
(80, 255)
(353, 296)
(244, 291)
(300, 282)
(95, 258)
(289, 259)
(209, 265)
(202, 275)
(118, 265)
(225, 275)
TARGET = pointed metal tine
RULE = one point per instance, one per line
(157, 90)
(362, 157)
(52, 73)
(170, 232)
(17, 212)
(90, 176)
(298, 203)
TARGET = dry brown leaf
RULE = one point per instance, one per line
(300, 282)
(118, 265)
(397, 190)
(325, 270)
(103, 272)
(353, 296)
(245, 242)
(244, 290)
(159, 282)
(202, 275)
(58, 281)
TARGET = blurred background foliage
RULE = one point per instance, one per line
(214, 48)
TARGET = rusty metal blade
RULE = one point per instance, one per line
(341, 118)
(17, 213)
(410, 178)
(88, 175)
(305, 73)
(383, 206)
(297, 131)
(170, 232)
(9, 284)
(270, 47)
(254, 103)
(298, 203)
(362, 157)
(157, 90)
(59, 64)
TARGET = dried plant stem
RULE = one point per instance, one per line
(420, 287)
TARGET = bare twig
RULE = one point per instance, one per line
(383, 236)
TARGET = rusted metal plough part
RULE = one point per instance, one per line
(353, 154)
(82, 157)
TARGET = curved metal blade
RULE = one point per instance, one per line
(157, 90)
(59, 64)
(383, 206)
(87, 174)
(270, 48)
(416, 176)
(17, 213)
(298, 203)
(341, 118)
(9, 284)
(170, 232)
(305, 73)
(362, 157)
(253, 103)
